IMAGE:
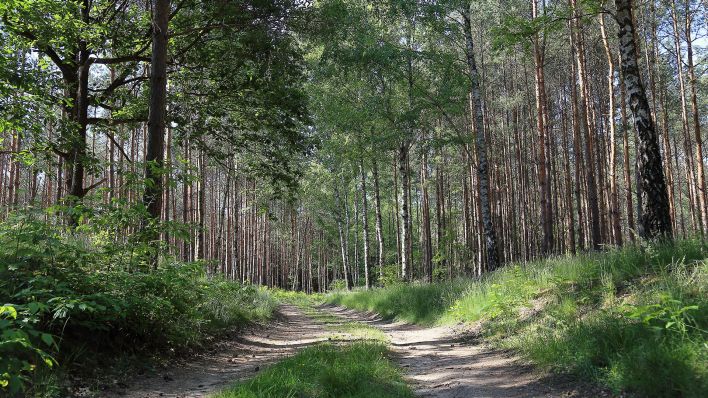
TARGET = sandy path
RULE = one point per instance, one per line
(445, 362)
(439, 362)
(235, 359)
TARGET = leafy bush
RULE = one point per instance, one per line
(338, 285)
(390, 275)
(63, 297)
(20, 346)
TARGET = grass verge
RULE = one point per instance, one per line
(633, 319)
(360, 369)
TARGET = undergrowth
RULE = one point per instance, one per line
(634, 319)
(360, 369)
(70, 304)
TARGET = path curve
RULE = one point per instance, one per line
(447, 362)
(230, 360)
(442, 362)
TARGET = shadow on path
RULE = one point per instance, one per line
(231, 360)
(447, 362)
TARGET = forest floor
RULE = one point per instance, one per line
(441, 362)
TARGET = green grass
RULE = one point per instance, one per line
(343, 329)
(633, 319)
(299, 299)
(418, 303)
(357, 370)
(360, 331)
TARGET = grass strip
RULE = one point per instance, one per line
(360, 369)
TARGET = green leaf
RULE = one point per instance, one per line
(47, 339)
(33, 307)
(9, 310)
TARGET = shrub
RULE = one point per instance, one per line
(22, 347)
(65, 298)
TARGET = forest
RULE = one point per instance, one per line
(353, 198)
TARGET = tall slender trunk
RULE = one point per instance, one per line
(626, 162)
(614, 194)
(425, 222)
(365, 223)
(79, 113)
(541, 122)
(440, 211)
(201, 210)
(568, 188)
(655, 219)
(691, 178)
(577, 145)
(342, 239)
(594, 210)
(698, 145)
(379, 221)
(481, 147)
(395, 216)
(405, 210)
(154, 157)
(355, 268)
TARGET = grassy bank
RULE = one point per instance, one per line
(634, 319)
(326, 370)
(72, 307)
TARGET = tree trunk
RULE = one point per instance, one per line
(541, 119)
(655, 219)
(577, 146)
(594, 210)
(614, 194)
(154, 161)
(379, 222)
(425, 227)
(405, 210)
(478, 123)
(684, 115)
(698, 146)
(365, 223)
(342, 239)
(201, 211)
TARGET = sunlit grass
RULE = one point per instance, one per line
(633, 319)
(361, 369)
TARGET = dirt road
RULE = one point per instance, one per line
(441, 362)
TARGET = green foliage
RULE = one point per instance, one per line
(504, 299)
(356, 370)
(22, 347)
(228, 303)
(667, 316)
(302, 300)
(68, 299)
(390, 275)
(634, 319)
(338, 285)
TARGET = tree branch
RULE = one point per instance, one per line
(114, 122)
